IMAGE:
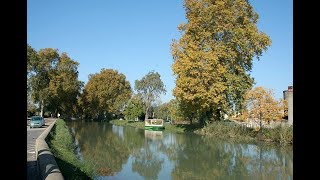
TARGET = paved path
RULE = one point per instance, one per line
(33, 134)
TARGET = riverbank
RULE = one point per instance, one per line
(282, 135)
(62, 145)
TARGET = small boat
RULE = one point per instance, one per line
(154, 124)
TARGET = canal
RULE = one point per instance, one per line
(128, 153)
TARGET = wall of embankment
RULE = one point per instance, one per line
(48, 168)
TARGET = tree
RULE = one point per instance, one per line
(105, 94)
(32, 58)
(134, 109)
(260, 104)
(284, 108)
(64, 87)
(214, 55)
(163, 111)
(41, 67)
(150, 87)
(52, 80)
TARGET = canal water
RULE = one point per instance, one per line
(129, 153)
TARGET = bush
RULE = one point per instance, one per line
(281, 134)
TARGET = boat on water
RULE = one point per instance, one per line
(154, 124)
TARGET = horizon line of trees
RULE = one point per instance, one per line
(53, 88)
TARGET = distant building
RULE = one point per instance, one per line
(285, 92)
(288, 95)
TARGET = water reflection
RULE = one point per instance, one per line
(154, 135)
(126, 152)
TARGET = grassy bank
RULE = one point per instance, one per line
(282, 135)
(136, 124)
(62, 146)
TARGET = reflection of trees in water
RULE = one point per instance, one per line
(146, 162)
(199, 161)
(261, 161)
(99, 145)
(192, 157)
(134, 139)
(203, 158)
(269, 162)
(222, 160)
(172, 144)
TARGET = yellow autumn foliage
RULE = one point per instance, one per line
(214, 55)
(261, 104)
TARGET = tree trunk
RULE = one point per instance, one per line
(146, 116)
(41, 108)
(218, 115)
(260, 117)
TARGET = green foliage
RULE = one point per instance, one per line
(105, 94)
(282, 135)
(227, 129)
(32, 59)
(62, 146)
(163, 111)
(52, 80)
(213, 57)
(150, 87)
(139, 125)
(41, 69)
(134, 109)
(64, 87)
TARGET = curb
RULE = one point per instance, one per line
(47, 165)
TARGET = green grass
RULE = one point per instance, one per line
(62, 146)
(137, 124)
(280, 134)
(182, 128)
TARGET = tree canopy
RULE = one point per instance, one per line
(214, 55)
(64, 87)
(52, 80)
(261, 104)
(41, 66)
(134, 108)
(105, 94)
(150, 87)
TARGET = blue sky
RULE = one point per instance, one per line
(134, 37)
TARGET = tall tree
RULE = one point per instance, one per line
(150, 87)
(105, 94)
(214, 55)
(42, 66)
(52, 80)
(32, 59)
(64, 86)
